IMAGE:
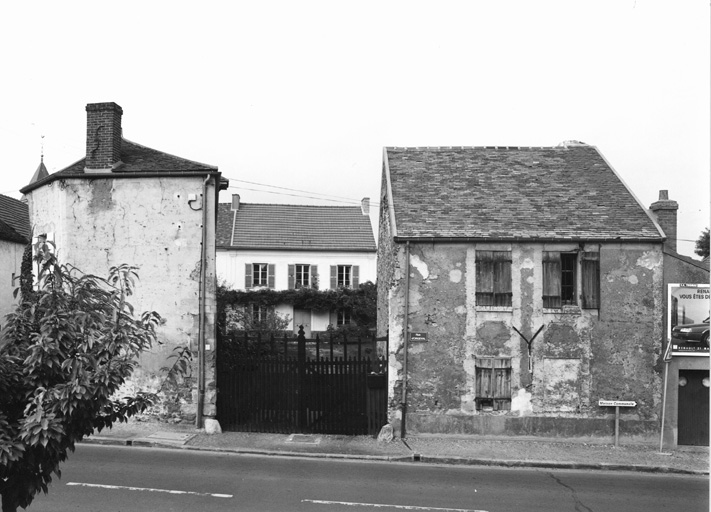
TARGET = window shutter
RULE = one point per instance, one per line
(334, 277)
(483, 378)
(591, 280)
(502, 278)
(484, 278)
(551, 280)
(355, 276)
(247, 275)
(270, 275)
(314, 276)
(292, 277)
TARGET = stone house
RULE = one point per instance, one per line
(14, 237)
(286, 246)
(518, 287)
(126, 203)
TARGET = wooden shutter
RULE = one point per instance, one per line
(591, 280)
(484, 278)
(247, 275)
(270, 275)
(551, 280)
(484, 386)
(314, 277)
(334, 277)
(355, 276)
(292, 277)
(502, 278)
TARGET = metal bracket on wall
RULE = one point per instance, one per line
(530, 345)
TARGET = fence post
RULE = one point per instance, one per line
(302, 378)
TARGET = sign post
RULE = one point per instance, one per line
(617, 404)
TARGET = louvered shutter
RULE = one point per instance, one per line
(502, 278)
(334, 277)
(355, 276)
(484, 278)
(591, 280)
(292, 277)
(247, 275)
(270, 275)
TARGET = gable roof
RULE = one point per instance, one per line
(15, 220)
(294, 227)
(135, 159)
(553, 193)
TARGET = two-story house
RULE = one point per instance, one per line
(287, 246)
(519, 287)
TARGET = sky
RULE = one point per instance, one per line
(294, 101)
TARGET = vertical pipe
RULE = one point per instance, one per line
(201, 311)
(403, 403)
(617, 426)
(664, 403)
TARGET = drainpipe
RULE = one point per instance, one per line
(201, 310)
(403, 403)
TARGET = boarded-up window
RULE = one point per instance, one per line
(559, 279)
(493, 383)
(591, 280)
(493, 278)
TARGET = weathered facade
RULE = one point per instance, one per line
(536, 278)
(126, 203)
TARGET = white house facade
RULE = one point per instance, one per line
(284, 247)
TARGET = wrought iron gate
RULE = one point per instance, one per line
(337, 387)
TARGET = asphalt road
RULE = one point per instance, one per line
(103, 478)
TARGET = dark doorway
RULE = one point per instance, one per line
(693, 413)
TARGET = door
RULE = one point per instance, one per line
(693, 412)
(302, 317)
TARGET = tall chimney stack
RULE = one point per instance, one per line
(365, 206)
(103, 136)
(665, 212)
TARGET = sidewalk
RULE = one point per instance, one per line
(472, 450)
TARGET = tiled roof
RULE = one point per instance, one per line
(565, 192)
(15, 216)
(295, 227)
(135, 158)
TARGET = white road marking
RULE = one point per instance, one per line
(381, 505)
(168, 491)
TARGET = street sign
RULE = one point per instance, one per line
(617, 403)
(418, 336)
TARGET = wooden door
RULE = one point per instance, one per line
(693, 411)
(302, 317)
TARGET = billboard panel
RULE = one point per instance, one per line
(688, 319)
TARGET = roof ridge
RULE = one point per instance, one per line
(432, 148)
(169, 154)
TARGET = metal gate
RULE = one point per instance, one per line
(304, 386)
(693, 412)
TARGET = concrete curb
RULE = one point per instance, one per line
(415, 457)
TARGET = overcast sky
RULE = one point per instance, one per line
(304, 95)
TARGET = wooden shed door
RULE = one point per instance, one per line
(302, 317)
(693, 419)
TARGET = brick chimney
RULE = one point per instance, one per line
(365, 206)
(665, 212)
(235, 202)
(103, 136)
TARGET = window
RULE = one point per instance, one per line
(303, 276)
(343, 317)
(344, 276)
(493, 383)
(493, 278)
(259, 274)
(259, 314)
(560, 279)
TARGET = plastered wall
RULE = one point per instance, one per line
(148, 223)
(579, 357)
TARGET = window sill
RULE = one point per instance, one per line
(565, 310)
(495, 309)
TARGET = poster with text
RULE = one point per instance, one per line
(688, 319)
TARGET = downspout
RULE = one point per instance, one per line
(403, 403)
(201, 310)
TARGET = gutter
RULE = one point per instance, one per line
(116, 176)
(479, 239)
(201, 310)
(406, 332)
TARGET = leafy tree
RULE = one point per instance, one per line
(66, 350)
(702, 244)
